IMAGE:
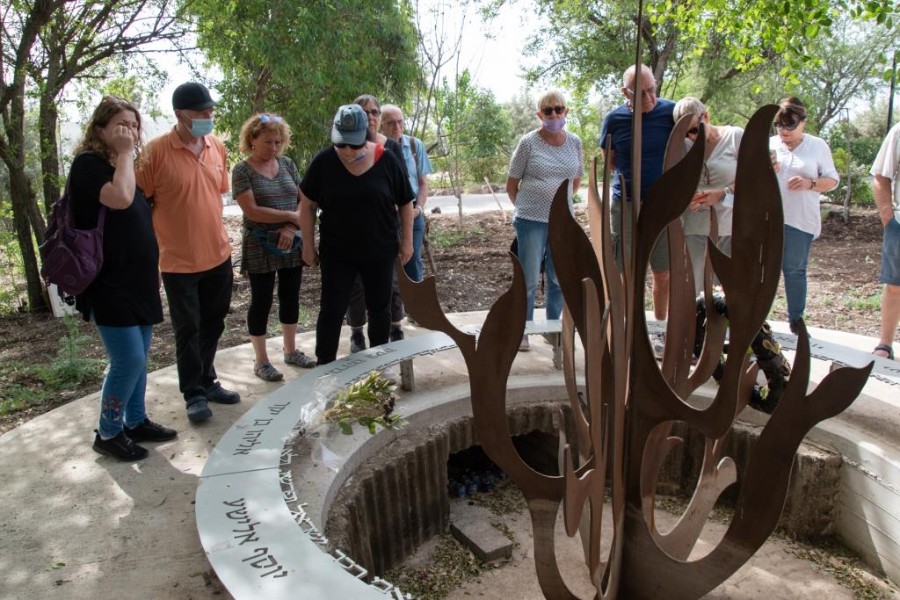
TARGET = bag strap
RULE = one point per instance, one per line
(414, 148)
(66, 218)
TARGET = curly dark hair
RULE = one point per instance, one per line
(108, 108)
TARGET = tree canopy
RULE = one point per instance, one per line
(303, 60)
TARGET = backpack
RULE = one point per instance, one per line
(71, 258)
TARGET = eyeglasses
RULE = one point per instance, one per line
(352, 146)
(266, 118)
(790, 127)
(549, 110)
(392, 122)
(646, 93)
(374, 112)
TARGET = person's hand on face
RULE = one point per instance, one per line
(121, 133)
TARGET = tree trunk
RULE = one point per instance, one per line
(48, 119)
(23, 201)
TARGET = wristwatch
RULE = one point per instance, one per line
(813, 183)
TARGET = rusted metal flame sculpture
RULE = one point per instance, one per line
(625, 412)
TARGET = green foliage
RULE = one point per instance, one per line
(521, 114)
(478, 132)
(368, 402)
(869, 303)
(69, 370)
(11, 266)
(860, 189)
(303, 60)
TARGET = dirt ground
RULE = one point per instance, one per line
(472, 270)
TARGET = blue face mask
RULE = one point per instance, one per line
(201, 127)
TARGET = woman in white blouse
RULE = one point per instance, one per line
(541, 161)
(715, 192)
(805, 169)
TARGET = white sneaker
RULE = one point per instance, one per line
(524, 346)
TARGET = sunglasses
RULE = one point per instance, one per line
(373, 112)
(266, 118)
(549, 110)
(352, 146)
(790, 127)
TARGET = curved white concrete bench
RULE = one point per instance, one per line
(252, 521)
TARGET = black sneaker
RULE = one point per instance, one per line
(794, 324)
(198, 409)
(120, 447)
(397, 334)
(216, 393)
(357, 341)
(148, 431)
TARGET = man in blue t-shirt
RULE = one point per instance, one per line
(657, 124)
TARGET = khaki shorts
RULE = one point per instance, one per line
(659, 257)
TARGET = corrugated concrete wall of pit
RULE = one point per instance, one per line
(397, 500)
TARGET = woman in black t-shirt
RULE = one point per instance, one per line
(358, 188)
(124, 300)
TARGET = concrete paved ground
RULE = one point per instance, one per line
(77, 525)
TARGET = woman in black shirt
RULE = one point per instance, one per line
(358, 188)
(124, 300)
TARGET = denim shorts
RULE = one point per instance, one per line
(890, 253)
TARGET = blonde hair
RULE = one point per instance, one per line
(108, 108)
(551, 98)
(260, 123)
(688, 106)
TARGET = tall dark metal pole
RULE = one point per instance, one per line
(890, 115)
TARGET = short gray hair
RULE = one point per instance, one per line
(391, 107)
(689, 106)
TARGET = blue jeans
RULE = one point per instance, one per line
(414, 267)
(533, 248)
(122, 396)
(793, 266)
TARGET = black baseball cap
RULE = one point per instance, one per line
(192, 96)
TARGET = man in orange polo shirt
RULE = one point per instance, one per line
(184, 176)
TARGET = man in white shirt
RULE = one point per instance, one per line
(886, 171)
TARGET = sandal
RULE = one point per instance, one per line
(884, 348)
(267, 372)
(298, 359)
